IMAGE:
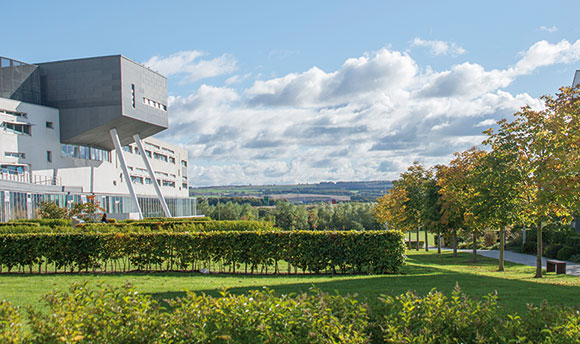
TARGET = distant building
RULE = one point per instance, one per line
(71, 129)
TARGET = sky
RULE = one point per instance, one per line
(272, 92)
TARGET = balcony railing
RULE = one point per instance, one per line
(29, 178)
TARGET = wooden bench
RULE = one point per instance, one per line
(556, 265)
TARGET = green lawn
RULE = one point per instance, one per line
(423, 272)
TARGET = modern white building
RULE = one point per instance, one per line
(60, 126)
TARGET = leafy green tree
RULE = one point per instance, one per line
(547, 145)
(50, 210)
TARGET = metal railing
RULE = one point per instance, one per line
(29, 178)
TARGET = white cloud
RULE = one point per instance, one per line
(372, 116)
(548, 28)
(437, 48)
(188, 64)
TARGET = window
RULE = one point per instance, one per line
(136, 151)
(16, 128)
(159, 173)
(13, 113)
(148, 153)
(153, 103)
(169, 183)
(167, 150)
(49, 156)
(137, 180)
(148, 181)
(50, 125)
(12, 169)
(128, 149)
(15, 155)
(183, 163)
(133, 95)
(160, 157)
(184, 185)
(172, 160)
(85, 152)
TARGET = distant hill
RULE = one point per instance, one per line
(355, 191)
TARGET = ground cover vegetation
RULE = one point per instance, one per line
(527, 176)
(93, 312)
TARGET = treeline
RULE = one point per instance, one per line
(104, 314)
(528, 174)
(288, 216)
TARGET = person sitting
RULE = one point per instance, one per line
(104, 218)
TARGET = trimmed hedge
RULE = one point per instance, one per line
(375, 252)
(135, 227)
(121, 315)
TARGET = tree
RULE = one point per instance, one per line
(456, 183)
(547, 146)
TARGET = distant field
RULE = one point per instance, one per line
(424, 271)
(357, 191)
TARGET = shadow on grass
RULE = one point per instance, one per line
(423, 273)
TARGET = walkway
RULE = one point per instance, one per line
(526, 259)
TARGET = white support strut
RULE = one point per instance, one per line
(147, 163)
(115, 137)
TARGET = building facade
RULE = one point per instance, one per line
(60, 125)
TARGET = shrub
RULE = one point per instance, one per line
(575, 258)
(529, 247)
(551, 251)
(315, 251)
(566, 252)
(573, 241)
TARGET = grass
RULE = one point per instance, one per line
(424, 271)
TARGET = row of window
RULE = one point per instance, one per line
(16, 128)
(15, 155)
(154, 104)
(85, 152)
(13, 113)
(154, 155)
(22, 128)
(147, 181)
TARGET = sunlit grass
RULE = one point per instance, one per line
(424, 271)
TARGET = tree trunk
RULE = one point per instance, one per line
(454, 242)
(474, 247)
(426, 241)
(539, 253)
(418, 238)
(439, 241)
(501, 247)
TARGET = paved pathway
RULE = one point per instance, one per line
(527, 259)
(524, 259)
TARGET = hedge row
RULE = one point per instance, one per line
(121, 315)
(136, 227)
(313, 251)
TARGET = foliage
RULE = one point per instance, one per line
(435, 318)
(105, 314)
(316, 251)
(575, 258)
(566, 252)
(50, 210)
(551, 251)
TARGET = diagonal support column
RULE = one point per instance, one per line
(119, 150)
(151, 174)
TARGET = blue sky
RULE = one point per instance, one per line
(308, 91)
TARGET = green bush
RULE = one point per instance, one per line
(575, 258)
(435, 318)
(566, 252)
(551, 251)
(573, 241)
(529, 247)
(105, 314)
(413, 244)
(315, 251)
